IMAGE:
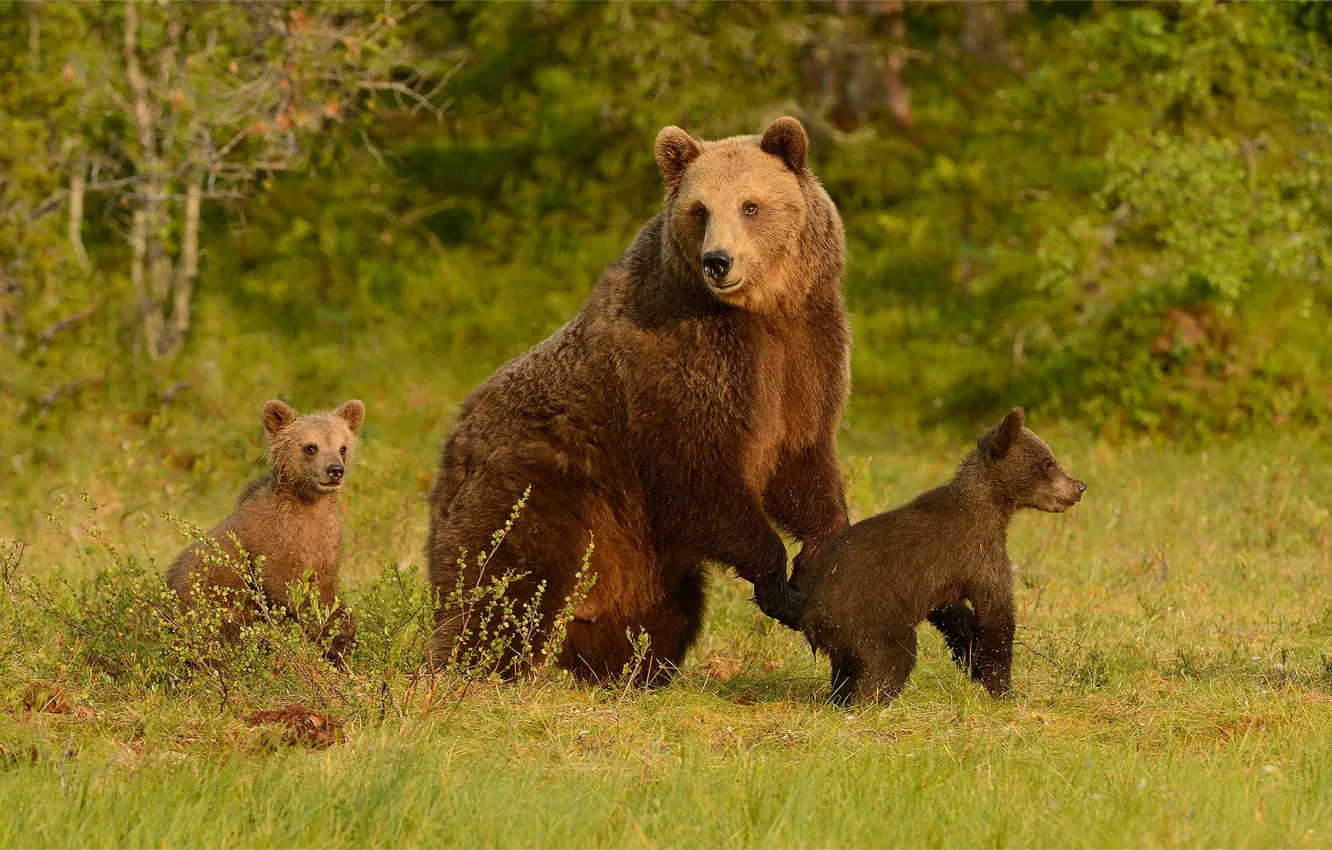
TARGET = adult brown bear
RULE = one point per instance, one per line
(690, 406)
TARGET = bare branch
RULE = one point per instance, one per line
(68, 388)
(66, 323)
(119, 99)
(46, 206)
(374, 29)
(233, 195)
(54, 200)
(404, 90)
(240, 136)
(174, 390)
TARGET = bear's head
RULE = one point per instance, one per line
(746, 216)
(1022, 469)
(311, 454)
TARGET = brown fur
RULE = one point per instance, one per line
(871, 586)
(290, 517)
(675, 420)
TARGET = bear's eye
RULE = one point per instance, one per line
(751, 208)
(311, 449)
(701, 212)
(1049, 466)
(343, 451)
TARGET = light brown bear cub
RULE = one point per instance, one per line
(289, 517)
(872, 585)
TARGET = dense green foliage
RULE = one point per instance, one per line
(1118, 214)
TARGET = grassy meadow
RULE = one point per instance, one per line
(1118, 215)
(1173, 682)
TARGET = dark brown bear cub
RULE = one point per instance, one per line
(290, 518)
(871, 586)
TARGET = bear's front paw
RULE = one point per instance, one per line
(799, 575)
(998, 684)
(776, 599)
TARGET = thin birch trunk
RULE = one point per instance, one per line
(153, 283)
(150, 315)
(187, 269)
(77, 186)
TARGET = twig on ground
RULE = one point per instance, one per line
(1027, 646)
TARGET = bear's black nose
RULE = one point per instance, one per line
(716, 264)
(1082, 487)
(335, 472)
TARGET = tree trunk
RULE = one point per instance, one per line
(187, 270)
(899, 96)
(35, 34)
(982, 29)
(77, 185)
(143, 116)
(149, 314)
(985, 32)
(153, 284)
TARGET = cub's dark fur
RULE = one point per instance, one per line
(874, 583)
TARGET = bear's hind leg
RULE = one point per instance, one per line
(885, 667)
(957, 624)
(602, 651)
(845, 679)
(677, 625)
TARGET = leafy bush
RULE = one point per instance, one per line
(126, 626)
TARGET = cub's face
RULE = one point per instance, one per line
(1026, 468)
(736, 210)
(312, 454)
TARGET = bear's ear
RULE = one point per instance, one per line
(674, 150)
(353, 412)
(1008, 432)
(785, 139)
(277, 415)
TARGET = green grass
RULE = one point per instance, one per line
(1173, 682)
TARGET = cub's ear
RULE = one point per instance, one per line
(353, 412)
(1006, 435)
(674, 150)
(785, 139)
(277, 415)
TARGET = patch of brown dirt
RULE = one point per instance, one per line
(720, 668)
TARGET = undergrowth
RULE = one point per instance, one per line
(127, 627)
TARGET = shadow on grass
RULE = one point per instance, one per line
(744, 689)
